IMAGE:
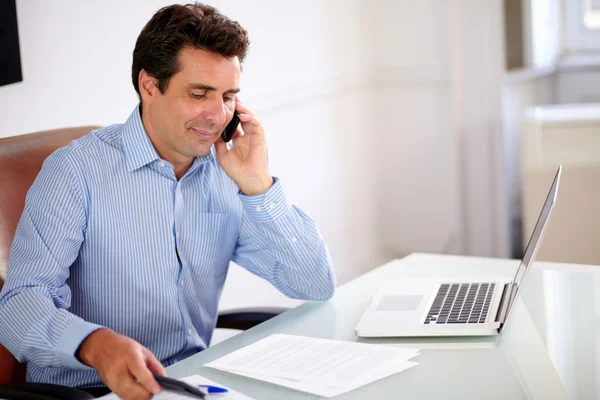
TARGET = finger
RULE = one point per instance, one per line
(240, 140)
(140, 371)
(250, 124)
(130, 389)
(245, 117)
(241, 108)
(238, 133)
(153, 364)
(239, 130)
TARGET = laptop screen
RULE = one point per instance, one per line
(536, 236)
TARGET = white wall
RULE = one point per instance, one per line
(381, 116)
(438, 76)
(75, 59)
(520, 91)
(417, 150)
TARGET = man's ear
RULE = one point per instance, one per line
(148, 85)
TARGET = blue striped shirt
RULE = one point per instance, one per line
(110, 238)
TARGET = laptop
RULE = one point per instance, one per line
(465, 307)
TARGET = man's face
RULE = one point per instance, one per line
(198, 103)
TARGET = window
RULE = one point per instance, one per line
(531, 29)
(582, 26)
(591, 16)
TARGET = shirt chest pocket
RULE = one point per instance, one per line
(213, 243)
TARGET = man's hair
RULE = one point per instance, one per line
(177, 26)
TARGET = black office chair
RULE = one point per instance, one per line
(246, 318)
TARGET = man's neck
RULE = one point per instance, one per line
(181, 170)
(180, 166)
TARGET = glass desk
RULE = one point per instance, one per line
(549, 348)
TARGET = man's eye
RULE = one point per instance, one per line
(197, 95)
(228, 98)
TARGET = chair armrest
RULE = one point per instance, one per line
(246, 318)
(10, 369)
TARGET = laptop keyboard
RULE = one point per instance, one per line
(461, 303)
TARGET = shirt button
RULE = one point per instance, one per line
(161, 164)
(273, 205)
(190, 331)
(258, 209)
(294, 240)
(182, 283)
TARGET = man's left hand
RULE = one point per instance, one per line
(246, 162)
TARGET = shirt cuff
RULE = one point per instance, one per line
(70, 342)
(268, 206)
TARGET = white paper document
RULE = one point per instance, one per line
(193, 380)
(318, 366)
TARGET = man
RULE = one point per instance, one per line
(122, 250)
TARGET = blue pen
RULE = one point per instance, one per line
(213, 389)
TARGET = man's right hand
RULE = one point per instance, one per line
(124, 365)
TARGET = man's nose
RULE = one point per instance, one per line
(216, 112)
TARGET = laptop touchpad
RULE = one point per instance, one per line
(399, 303)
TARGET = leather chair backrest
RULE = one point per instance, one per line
(21, 159)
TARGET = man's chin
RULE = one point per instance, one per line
(203, 150)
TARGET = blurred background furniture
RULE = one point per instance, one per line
(567, 134)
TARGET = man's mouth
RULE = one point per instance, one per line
(203, 135)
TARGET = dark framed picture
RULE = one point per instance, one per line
(10, 54)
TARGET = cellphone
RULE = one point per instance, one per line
(229, 131)
(179, 387)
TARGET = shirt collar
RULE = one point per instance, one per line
(138, 148)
